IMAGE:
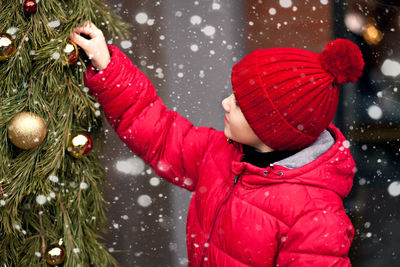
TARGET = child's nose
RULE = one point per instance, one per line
(225, 104)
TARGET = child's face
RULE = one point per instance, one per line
(236, 126)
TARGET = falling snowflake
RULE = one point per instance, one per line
(141, 18)
(41, 199)
(144, 201)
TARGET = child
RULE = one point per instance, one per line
(270, 195)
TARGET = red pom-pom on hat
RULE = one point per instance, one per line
(343, 59)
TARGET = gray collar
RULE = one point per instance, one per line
(324, 142)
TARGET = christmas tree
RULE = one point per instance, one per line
(51, 206)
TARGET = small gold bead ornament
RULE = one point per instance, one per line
(55, 254)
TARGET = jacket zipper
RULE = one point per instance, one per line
(227, 196)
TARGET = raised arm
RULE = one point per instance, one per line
(163, 138)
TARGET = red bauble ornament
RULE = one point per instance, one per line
(72, 52)
(30, 6)
(79, 145)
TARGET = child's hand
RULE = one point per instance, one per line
(95, 47)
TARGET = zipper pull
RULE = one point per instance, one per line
(236, 178)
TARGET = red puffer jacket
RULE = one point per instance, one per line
(288, 214)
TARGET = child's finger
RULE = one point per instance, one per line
(84, 30)
(79, 40)
(89, 29)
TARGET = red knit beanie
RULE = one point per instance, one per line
(289, 96)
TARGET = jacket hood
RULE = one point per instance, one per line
(327, 163)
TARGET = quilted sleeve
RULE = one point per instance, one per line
(166, 141)
(318, 238)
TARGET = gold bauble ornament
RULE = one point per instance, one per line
(7, 46)
(27, 130)
(55, 254)
(79, 144)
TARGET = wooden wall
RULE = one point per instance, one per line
(306, 24)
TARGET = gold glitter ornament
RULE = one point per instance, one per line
(79, 145)
(55, 254)
(7, 46)
(27, 130)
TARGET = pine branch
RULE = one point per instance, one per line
(39, 79)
